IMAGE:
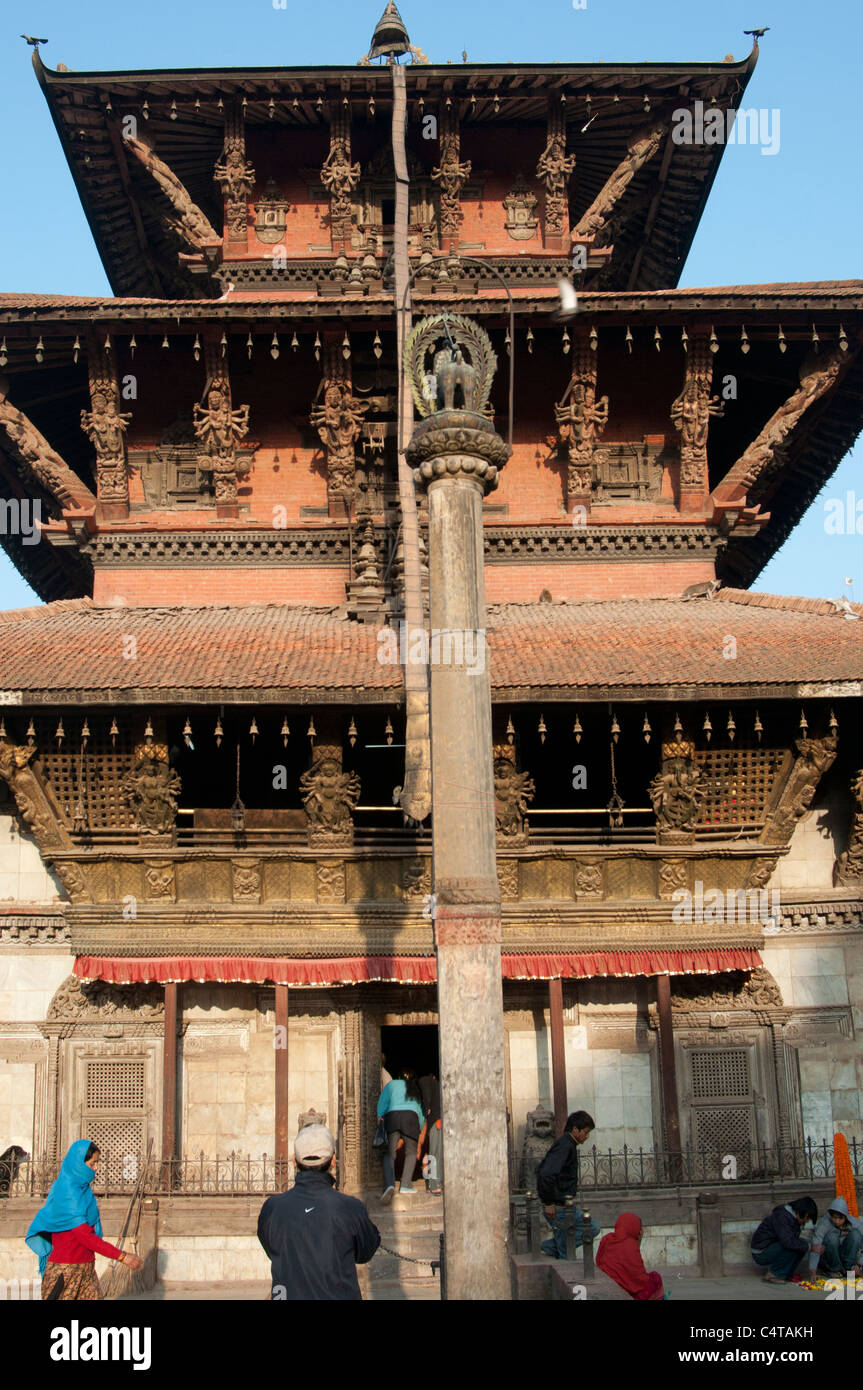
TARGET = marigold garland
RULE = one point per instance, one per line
(844, 1172)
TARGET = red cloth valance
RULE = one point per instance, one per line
(406, 970)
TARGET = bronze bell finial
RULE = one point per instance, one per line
(390, 39)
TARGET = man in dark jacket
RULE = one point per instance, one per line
(315, 1236)
(777, 1241)
(557, 1179)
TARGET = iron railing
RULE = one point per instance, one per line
(695, 1165)
(241, 1175)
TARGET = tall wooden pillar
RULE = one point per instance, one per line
(169, 1076)
(282, 1155)
(558, 1055)
(669, 1070)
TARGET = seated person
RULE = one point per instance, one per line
(777, 1242)
(619, 1256)
(837, 1245)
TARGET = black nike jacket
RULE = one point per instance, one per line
(315, 1237)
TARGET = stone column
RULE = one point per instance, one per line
(669, 1075)
(455, 453)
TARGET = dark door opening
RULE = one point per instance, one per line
(410, 1045)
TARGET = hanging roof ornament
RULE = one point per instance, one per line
(390, 39)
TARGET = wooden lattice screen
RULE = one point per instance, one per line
(737, 782)
(99, 769)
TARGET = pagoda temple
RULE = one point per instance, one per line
(216, 910)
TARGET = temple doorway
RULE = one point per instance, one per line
(410, 1045)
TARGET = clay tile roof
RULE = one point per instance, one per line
(74, 650)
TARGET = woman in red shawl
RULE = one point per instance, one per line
(619, 1256)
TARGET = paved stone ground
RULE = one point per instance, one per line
(739, 1288)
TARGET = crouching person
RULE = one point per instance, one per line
(778, 1244)
(837, 1245)
(315, 1236)
(619, 1256)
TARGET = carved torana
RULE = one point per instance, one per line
(691, 413)
(97, 1000)
(675, 792)
(520, 207)
(151, 788)
(451, 174)
(329, 796)
(759, 990)
(555, 168)
(105, 425)
(235, 177)
(641, 148)
(580, 420)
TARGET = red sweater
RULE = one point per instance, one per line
(77, 1247)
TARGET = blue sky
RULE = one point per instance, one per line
(792, 216)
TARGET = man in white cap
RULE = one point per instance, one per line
(315, 1236)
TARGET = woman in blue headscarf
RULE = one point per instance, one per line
(66, 1234)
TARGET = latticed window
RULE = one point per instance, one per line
(114, 1115)
(720, 1075)
(722, 1117)
(88, 776)
(737, 783)
(115, 1085)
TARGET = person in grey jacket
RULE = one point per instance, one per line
(837, 1245)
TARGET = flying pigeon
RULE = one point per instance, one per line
(34, 43)
(757, 33)
(568, 302)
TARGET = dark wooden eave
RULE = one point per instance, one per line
(668, 195)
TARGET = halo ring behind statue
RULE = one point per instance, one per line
(440, 333)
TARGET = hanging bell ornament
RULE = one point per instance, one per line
(311, 731)
(577, 729)
(758, 726)
(219, 732)
(352, 732)
(541, 729)
(731, 727)
(285, 732)
(510, 730)
(253, 729)
(389, 730)
(707, 727)
(646, 729)
(615, 727)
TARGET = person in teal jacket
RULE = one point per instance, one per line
(401, 1108)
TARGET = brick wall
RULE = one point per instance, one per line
(221, 584)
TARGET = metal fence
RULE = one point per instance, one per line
(694, 1166)
(204, 1175)
(241, 1175)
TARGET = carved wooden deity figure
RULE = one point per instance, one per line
(452, 174)
(815, 756)
(690, 414)
(151, 788)
(580, 419)
(513, 791)
(340, 176)
(338, 419)
(555, 167)
(329, 795)
(235, 177)
(642, 147)
(188, 221)
(675, 792)
(848, 868)
(106, 426)
(220, 429)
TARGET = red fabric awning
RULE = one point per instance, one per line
(413, 970)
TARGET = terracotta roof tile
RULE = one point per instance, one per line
(77, 647)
